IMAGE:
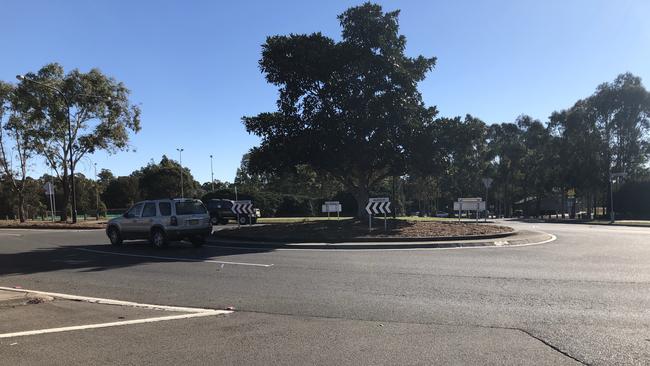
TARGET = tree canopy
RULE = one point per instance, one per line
(349, 109)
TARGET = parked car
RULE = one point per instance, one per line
(221, 212)
(441, 214)
(162, 221)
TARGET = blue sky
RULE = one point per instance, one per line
(192, 65)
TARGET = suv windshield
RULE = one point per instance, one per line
(189, 208)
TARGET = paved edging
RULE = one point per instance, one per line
(216, 236)
(522, 238)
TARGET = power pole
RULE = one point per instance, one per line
(180, 162)
(211, 174)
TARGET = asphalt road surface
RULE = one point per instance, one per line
(582, 299)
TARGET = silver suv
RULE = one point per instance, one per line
(161, 221)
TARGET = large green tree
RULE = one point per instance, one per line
(17, 145)
(76, 114)
(349, 109)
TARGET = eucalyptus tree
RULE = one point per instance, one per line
(76, 114)
(17, 145)
(347, 108)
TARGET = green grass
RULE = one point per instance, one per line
(291, 220)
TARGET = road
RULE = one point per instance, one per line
(581, 299)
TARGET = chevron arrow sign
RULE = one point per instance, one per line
(242, 207)
(377, 206)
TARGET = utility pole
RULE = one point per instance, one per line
(180, 162)
(613, 176)
(96, 193)
(211, 174)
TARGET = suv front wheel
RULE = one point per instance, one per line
(158, 238)
(114, 236)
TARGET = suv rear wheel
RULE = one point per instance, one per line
(243, 220)
(114, 236)
(158, 239)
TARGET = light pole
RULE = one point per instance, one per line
(180, 161)
(96, 193)
(68, 105)
(211, 174)
(613, 176)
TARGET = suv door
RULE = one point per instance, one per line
(131, 220)
(147, 219)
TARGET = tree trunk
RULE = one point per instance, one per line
(21, 206)
(361, 195)
(66, 197)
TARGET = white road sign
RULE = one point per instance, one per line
(469, 206)
(332, 206)
(376, 206)
(242, 207)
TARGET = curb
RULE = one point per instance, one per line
(529, 239)
(366, 239)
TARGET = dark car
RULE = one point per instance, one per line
(221, 212)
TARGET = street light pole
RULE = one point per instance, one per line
(68, 105)
(96, 193)
(180, 161)
(211, 174)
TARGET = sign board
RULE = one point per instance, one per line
(469, 206)
(48, 188)
(376, 206)
(242, 207)
(331, 207)
(470, 199)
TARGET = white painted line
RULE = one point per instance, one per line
(115, 324)
(99, 300)
(553, 238)
(174, 258)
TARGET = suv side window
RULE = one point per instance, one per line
(134, 211)
(165, 208)
(149, 210)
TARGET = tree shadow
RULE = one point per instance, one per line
(97, 257)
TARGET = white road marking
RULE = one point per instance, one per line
(174, 258)
(113, 324)
(193, 313)
(99, 300)
(553, 238)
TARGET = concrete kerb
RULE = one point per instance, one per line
(517, 238)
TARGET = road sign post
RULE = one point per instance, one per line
(377, 206)
(469, 204)
(332, 206)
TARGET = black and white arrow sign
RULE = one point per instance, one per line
(242, 207)
(377, 206)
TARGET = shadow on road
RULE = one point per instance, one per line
(88, 258)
